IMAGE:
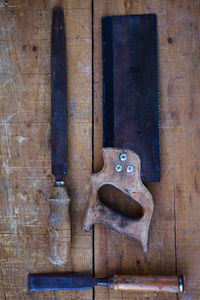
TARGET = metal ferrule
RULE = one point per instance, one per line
(180, 284)
(101, 281)
(59, 183)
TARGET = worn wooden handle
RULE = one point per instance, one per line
(59, 226)
(148, 283)
(122, 171)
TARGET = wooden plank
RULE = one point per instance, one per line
(25, 142)
(23, 5)
(178, 53)
(185, 90)
(26, 177)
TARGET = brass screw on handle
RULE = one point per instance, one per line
(123, 157)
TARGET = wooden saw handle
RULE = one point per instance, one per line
(122, 171)
(170, 284)
(59, 226)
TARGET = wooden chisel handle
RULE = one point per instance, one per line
(59, 226)
(170, 284)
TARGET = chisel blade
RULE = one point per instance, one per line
(58, 96)
(130, 87)
(55, 282)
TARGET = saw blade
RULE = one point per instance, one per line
(58, 96)
(130, 88)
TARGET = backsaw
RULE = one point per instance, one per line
(59, 219)
(130, 123)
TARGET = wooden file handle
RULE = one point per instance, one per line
(170, 284)
(59, 226)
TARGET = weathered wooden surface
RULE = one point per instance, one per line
(25, 142)
(174, 237)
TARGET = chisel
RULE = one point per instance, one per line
(59, 219)
(44, 282)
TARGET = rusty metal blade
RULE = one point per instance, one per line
(53, 282)
(58, 96)
(130, 86)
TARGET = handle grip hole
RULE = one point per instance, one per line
(120, 202)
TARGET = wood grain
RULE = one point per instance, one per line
(25, 142)
(154, 283)
(174, 239)
(59, 226)
(123, 182)
(174, 231)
